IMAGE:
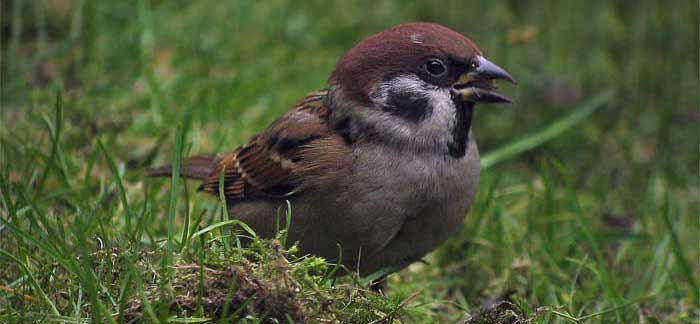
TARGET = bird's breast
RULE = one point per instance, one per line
(422, 198)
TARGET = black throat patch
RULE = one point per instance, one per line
(457, 146)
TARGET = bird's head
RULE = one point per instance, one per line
(419, 72)
(430, 55)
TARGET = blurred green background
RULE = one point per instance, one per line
(605, 214)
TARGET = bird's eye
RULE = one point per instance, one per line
(436, 68)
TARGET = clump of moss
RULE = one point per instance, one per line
(262, 281)
(232, 285)
(500, 313)
(230, 291)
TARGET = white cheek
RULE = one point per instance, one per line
(408, 83)
(444, 112)
(443, 108)
(433, 131)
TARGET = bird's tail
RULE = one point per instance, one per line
(196, 167)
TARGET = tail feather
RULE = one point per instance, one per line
(196, 167)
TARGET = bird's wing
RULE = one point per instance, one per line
(270, 163)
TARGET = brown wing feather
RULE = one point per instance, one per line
(267, 164)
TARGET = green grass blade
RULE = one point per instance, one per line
(175, 181)
(531, 141)
(607, 284)
(224, 223)
(148, 309)
(229, 294)
(45, 247)
(224, 210)
(681, 260)
(124, 294)
(190, 320)
(186, 226)
(47, 318)
(55, 129)
(87, 275)
(32, 280)
(117, 179)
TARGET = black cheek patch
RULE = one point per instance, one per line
(408, 106)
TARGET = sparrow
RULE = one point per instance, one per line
(381, 167)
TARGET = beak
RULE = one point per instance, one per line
(478, 85)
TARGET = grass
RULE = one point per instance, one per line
(587, 211)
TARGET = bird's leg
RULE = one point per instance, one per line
(380, 285)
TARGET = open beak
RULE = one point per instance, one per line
(478, 85)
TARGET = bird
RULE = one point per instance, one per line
(381, 166)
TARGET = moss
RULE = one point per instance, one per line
(501, 313)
